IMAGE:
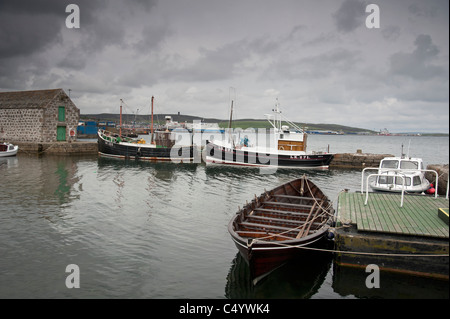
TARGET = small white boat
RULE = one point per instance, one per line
(395, 171)
(8, 149)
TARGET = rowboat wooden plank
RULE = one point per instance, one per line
(280, 212)
(278, 220)
(288, 204)
(267, 226)
(311, 221)
(293, 197)
(260, 234)
(300, 234)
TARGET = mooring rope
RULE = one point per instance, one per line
(359, 253)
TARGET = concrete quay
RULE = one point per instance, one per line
(66, 148)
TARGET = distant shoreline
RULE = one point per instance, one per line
(240, 123)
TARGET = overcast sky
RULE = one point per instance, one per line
(316, 56)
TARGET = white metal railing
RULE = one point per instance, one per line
(446, 196)
(398, 175)
(399, 171)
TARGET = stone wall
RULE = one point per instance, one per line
(357, 160)
(21, 125)
(59, 148)
(442, 171)
(50, 118)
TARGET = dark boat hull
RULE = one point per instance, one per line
(144, 152)
(263, 259)
(220, 155)
(279, 224)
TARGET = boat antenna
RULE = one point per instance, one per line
(279, 117)
(231, 115)
(229, 124)
(409, 144)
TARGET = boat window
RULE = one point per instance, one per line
(389, 164)
(417, 181)
(399, 181)
(385, 180)
(409, 165)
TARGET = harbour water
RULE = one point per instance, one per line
(159, 230)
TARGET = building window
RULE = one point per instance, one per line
(61, 114)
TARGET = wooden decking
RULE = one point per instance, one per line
(417, 217)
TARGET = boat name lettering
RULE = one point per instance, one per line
(299, 157)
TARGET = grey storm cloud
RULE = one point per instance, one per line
(28, 26)
(419, 63)
(350, 15)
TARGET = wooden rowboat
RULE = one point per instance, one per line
(271, 229)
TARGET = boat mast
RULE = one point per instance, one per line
(120, 121)
(229, 123)
(151, 127)
(277, 116)
(231, 115)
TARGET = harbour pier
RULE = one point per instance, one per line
(412, 238)
(358, 160)
(60, 148)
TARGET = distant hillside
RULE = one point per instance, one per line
(128, 118)
(242, 123)
(246, 123)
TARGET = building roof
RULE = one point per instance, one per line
(30, 99)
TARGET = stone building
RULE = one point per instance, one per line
(38, 116)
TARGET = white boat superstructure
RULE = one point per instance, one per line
(8, 149)
(396, 171)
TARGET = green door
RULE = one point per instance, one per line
(61, 133)
(61, 114)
